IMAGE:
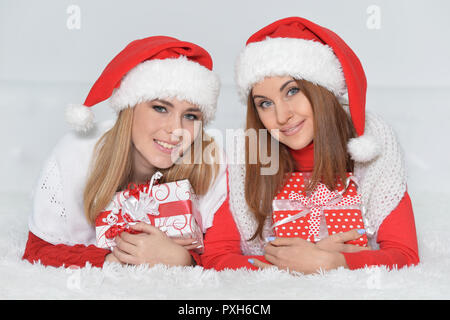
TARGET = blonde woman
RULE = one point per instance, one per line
(161, 89)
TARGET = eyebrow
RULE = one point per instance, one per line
(171, 105)
(193, 110)
(285, 85)
(281, 89)
(164, 102)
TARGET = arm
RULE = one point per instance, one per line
(57, 214)
(222, 243)
(63, 255)
(397, 239)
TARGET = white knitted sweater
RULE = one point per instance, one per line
(382, 183)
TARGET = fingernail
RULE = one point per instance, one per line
(194, 242)
(251, 261)
(361, 231)
(268, 239)
(198, 247)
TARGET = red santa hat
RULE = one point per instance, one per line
(304, 50)
(154, 67)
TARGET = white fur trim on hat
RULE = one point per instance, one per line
(79, 117)
(299, 58)
(363, 148)
(169, 78)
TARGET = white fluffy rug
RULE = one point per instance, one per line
(429, 280)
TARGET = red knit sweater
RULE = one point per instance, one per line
(396, 235)
(63, 255)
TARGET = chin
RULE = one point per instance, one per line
(160, 162)
(296, 145)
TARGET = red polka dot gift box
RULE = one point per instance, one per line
(319, 214)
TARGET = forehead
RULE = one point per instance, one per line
(271, 83)
(178, 104)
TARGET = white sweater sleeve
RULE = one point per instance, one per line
(47, 198)
(210, 202)
(57, 213)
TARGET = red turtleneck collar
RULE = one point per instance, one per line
(304, 158)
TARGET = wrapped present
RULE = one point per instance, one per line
(319, 214)
(172, 207)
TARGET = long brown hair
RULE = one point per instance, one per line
(332, 130)
(111, 167)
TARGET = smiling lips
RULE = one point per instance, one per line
(291, 130)
(165, 146)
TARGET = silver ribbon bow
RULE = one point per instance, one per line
(139, 209)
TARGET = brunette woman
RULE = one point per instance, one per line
(303, 84)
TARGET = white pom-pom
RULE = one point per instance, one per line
(79, 117)
(363, 149)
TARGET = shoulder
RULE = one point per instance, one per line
(213, 199)
(57, 214)
(379, 140)
(68, 163)
(383, 178)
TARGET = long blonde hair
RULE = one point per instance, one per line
(111, 166)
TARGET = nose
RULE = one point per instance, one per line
(174, 127)
(283, 112)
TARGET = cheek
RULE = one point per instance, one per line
(139, 126)
(142, 134)
(190, 132)
(267, 118)
(139, 133)
(309, 130)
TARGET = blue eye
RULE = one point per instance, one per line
(160, 109)
(265, 104)
(293, 91)
(191, 116)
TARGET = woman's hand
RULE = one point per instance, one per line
(187, 243)
(336, 242)
(111, 258)
(150, 247)
(296, 254)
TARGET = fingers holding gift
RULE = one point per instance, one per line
(147, 228)
(354, 248)
(287, 242)
(275, 261)
(259, 264)
(187, 243)
(127, 243)
(339, 241)
(124, 257)
(348, 236)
